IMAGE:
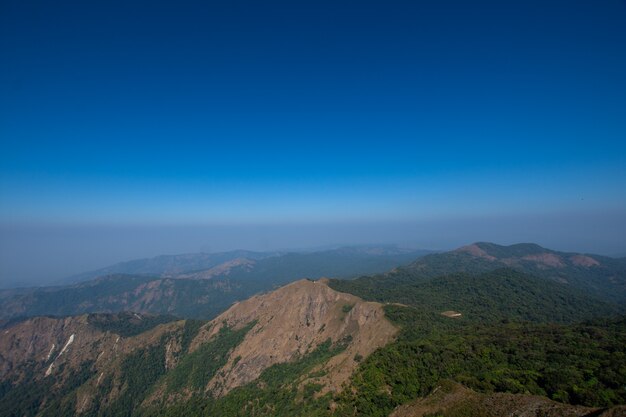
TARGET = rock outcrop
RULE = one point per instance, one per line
(292, 322)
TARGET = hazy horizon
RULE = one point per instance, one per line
(38, 255)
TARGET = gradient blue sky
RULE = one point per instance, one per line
(127, 116)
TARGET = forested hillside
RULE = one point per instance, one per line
(583, 364)
(485, 297)
(599, 276)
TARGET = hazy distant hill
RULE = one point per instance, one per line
(195, 293)
(342, 263)
(379, 257)
(600, 276)
(120, 292)
(171, 264)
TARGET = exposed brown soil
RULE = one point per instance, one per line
(548, 259)
(583, 260)
(220, 270)
(475, 250)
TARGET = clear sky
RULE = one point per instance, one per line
(132, 129)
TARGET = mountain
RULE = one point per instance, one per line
(302, 337)
(171, 265)
(599, 276)
(292, 322)
(115, 293)
(45, 361)
(485, 316)
(382, 256)
(344, 262)
(195, 293)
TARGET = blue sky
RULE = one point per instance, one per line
(234, 113)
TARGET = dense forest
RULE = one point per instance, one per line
(486, 297)
(576, 364)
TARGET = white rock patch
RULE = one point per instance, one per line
(67, 344)
(50, 353)
(49, 370)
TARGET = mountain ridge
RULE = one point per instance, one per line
(170, 265)
(94, 360)
(600, 276)
(196, 293)
(175, 265)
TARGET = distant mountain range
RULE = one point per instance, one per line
(194, 285)
(171, 265)
(598, 276)
(204, 285)
(181, 266)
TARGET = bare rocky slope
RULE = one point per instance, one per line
(57, 346)
(294, 321)
(66, 366)
(92, 362)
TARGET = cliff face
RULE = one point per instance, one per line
(65, 343)
(48, 343)
(293, 321)
(55, 356)
(183, 297)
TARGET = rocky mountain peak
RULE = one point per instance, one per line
(292, 322)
